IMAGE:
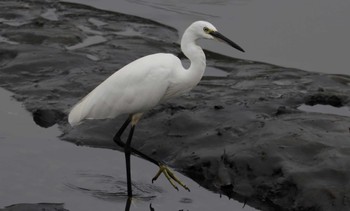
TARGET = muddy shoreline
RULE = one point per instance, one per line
(240, 135)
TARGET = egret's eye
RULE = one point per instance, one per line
(206, 30)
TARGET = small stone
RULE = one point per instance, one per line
(218, 107)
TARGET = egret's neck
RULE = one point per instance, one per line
(195, 54)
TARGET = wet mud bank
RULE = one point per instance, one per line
(240, 134)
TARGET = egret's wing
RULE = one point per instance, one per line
(137, 87)
(172, 91)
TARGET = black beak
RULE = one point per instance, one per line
(225, 39)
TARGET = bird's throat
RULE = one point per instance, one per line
(198, 62)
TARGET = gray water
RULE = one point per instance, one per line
(38, 167)
(326, 109)
(311, 35)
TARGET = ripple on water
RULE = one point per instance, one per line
(111, 188)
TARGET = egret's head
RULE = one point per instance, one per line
(204, 29)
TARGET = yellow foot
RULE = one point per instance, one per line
(170, 176)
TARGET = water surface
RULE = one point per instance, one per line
(37, 167)
(326, 109)
(311, 35)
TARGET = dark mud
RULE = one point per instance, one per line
(35, 207)
(239, 134)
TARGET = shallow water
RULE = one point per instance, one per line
(38, 167)
(310, 35)
(326, 109)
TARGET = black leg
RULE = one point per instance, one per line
(121, 130)
(128, 203)
(127, 151)
(118, 141)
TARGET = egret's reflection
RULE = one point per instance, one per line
(128, 204)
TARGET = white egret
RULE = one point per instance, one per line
(142, 84)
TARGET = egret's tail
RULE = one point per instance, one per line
(76, 115)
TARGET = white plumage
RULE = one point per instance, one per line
(148, 81)
(135, 88)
